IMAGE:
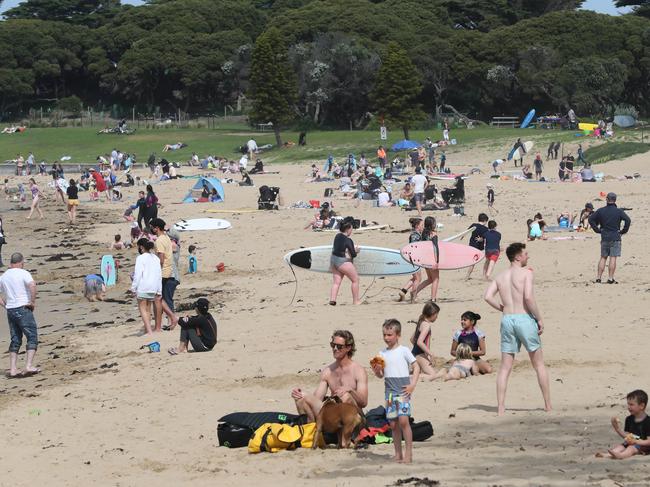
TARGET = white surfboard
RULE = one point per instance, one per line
(198, 224)
(370, 261)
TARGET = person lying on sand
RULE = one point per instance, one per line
(200, 330)
(463, 367)
(344, 378)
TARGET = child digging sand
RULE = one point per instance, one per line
(398, 387)
(636, 431)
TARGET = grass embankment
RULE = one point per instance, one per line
(612, 151)
(83, 144)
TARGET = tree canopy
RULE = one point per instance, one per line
(484, 57)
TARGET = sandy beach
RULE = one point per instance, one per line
(104, 412)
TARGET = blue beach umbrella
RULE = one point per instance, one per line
(405, 145)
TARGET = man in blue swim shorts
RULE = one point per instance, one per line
(512, 293)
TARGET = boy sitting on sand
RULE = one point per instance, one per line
(636, 431)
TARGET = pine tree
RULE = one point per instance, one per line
(397, 87)
(272, 83)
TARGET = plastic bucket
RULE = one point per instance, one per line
(221, 267)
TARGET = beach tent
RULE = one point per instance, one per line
(405, 145)
(209, 183)
(624, 121)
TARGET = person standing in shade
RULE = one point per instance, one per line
(512, 293)
(607, 221)
(19, 290)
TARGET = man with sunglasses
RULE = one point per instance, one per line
(344, 378)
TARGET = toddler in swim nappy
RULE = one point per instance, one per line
(463, 366)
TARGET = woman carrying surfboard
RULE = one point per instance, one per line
(417, 227)
(341, 262)
(433, 275)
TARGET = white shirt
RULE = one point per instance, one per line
(147, 277)
(252, 145)
(14, 284)
(243, 162)
(498, 162)
(397, 361)
(383, 199)
(418, 182)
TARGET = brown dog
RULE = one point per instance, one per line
(340, 418)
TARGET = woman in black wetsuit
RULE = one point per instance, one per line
(150, 206)
(343, 253)
(199, 330)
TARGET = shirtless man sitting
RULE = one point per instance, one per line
(344, 378)
(511, 292)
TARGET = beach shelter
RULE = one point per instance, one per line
(195, 195)
(405, 145)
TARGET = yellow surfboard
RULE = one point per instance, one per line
(587, 126)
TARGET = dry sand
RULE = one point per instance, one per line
(105, 413)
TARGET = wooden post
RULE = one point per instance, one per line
(133, 114)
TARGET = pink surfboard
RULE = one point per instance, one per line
(452, 255)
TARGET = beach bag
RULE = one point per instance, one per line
(233, 436)
(422, 430)
(273, 437)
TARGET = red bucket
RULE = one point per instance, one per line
(314, 203)
(221, 267)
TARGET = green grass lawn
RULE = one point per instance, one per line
(610, 151)
(83, 145)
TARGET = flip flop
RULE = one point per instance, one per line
(19, 375)
(612, 281)
(29, 373)
(172, 351)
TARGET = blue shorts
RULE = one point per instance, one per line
(518, 329)
(397, 406)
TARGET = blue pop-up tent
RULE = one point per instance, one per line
(209, 184)
(405, 145)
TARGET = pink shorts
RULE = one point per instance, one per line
(492, 255)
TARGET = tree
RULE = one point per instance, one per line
(87, 12)
(396, 89)
(639, 7)
(272, 83)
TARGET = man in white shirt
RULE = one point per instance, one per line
(251, 145)
(419, 183)
(19, 291)
(243, 162)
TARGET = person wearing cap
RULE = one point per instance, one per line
(584, 216)
(607, 221)
(164, 250)
(200, 330)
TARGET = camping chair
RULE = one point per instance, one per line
(268, 198)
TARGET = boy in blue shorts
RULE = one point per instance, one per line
(398, 387)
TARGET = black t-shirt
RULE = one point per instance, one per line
(479, 232)
(641, 429)
(342, 243)
(205, 327)
(73, 192)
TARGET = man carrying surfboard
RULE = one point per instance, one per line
(512, 293)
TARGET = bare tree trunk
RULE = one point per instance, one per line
(406, 132)
(316, 112)
(278, 138)
(462, 117)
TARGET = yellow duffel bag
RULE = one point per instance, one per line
(273, 437)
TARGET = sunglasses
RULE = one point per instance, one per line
(338, 346)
